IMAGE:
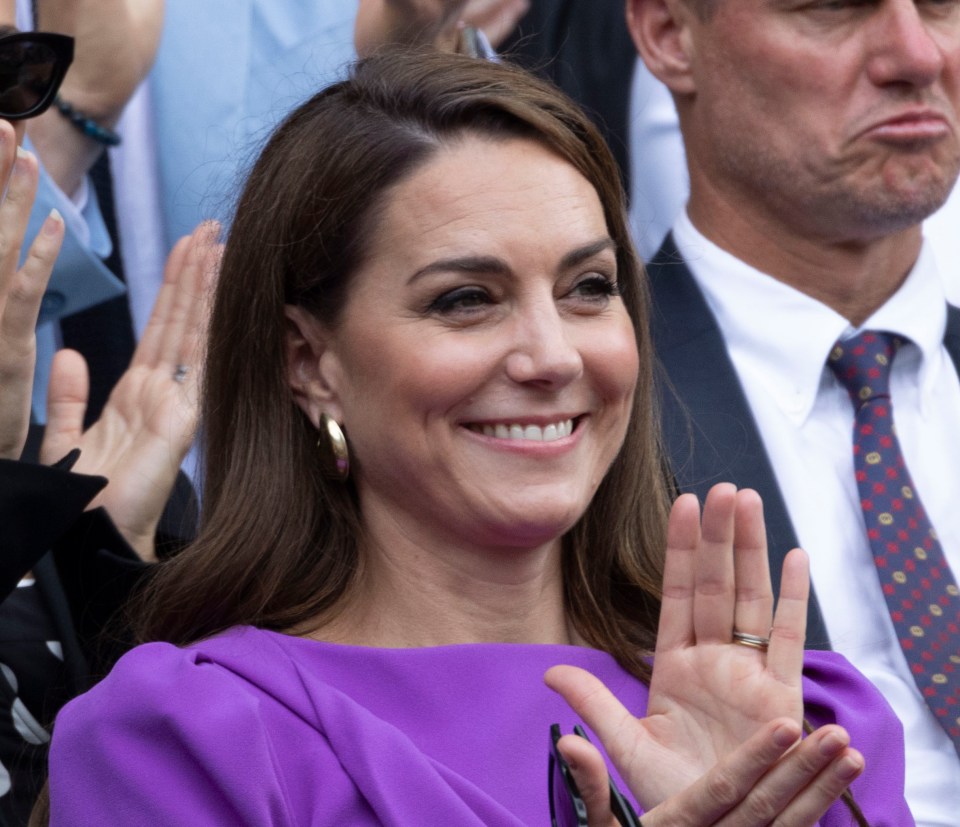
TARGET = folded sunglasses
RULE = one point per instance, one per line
(567, 808)
(32, 67)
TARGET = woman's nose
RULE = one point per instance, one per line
(544, 351)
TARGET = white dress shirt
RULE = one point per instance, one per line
(779, 339)
(942, 230)
(659, 183)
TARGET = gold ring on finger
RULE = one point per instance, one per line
(753, 641)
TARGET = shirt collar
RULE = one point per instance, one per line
(917, 311)
(784, 336)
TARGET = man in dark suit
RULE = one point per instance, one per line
(819, 136)
(585, 49)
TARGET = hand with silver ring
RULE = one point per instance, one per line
(149, 421)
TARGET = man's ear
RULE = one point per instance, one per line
(313, 370)
(661, 31)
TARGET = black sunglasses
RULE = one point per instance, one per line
(566, 806)
(32, 66)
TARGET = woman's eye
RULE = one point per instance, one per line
(463, 299)
(595, 287)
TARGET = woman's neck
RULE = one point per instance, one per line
(429, 591)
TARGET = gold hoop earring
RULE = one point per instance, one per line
(333, 444)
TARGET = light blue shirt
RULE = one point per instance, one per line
(227, 71)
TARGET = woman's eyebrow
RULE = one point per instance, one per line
(463, 264)
(493, 265)
(586, 252)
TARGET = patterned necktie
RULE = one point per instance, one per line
(920, 590)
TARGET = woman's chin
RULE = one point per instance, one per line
(532, 528)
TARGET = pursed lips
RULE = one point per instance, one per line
(921, 122)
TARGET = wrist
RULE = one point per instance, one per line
(97, 130)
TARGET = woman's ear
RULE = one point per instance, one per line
(661, 31)
(313, 371)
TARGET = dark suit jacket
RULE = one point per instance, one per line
(42, 509)
(84, 569)
(710, 432)
(584, 48)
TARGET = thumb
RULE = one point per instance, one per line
(66, 404)
(590, 776)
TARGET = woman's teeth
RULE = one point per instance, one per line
(534, 433)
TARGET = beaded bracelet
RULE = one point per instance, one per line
(87, 126)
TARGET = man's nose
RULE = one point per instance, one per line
(904, 46)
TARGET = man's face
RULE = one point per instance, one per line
(837, 116)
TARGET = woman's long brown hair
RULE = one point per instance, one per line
(278, 545)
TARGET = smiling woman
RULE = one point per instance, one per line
(488, 295)
(433, 474)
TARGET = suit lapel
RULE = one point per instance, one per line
(951, 338)
(710, 432)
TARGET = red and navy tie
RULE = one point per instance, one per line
(919, 587)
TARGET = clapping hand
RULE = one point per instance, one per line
(720, 740)
(150, 419)
(21, 289)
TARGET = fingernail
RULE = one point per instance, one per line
(20, 165)
(848, 768)
(832, 744)
(784, 736)
(51, 226)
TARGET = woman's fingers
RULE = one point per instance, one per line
(683, 538)
(771, 776)
(590, 775)
(201, 270)
(15, 209)
(150, 347)
(598, 706)
(19, 308)
(724, 787)
(713, 608)
(716, 574)
(788, 634)
(770, 779)
(21, 288)
(182, 300)
(20, 304)
(181, 332)
(803, 785)
(754, 596)
(66, 405)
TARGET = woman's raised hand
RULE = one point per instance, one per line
(149, 421)
(719, 742)
(21, 288)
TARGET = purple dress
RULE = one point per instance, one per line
(259, 728)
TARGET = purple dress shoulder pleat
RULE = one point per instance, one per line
(258, 728)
